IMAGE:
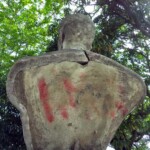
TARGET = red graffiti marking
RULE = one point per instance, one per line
(112, 114)
(64, 113)
(72, 100)
(43, 90)
(124, 111)
(44, 96)
(70, 88)
(121, 107)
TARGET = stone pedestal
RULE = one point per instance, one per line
(72, 99)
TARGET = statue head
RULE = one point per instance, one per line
(76, 32)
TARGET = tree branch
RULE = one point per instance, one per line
(131, 14)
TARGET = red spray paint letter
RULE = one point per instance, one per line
(64, 113)
(121, 108)
(70, 88)
(44, 96)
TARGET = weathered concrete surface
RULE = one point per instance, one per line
(72, 99)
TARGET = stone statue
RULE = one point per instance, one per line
(76, 32)
(72, 99)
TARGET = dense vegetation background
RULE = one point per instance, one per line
(30, 28)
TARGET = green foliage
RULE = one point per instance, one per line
(23, 29)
